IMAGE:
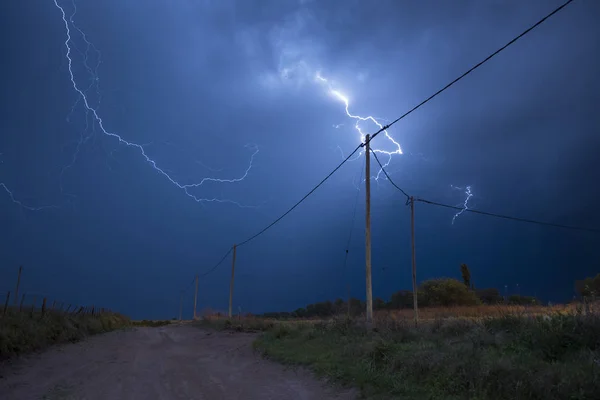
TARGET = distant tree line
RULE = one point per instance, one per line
(442, 292)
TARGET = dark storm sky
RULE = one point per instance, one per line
(199, 81)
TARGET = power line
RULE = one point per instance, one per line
(302, 199)
(284, 214)
(388, 177)
(479, 64)
(217, 264)
(394, 122)
(531, 221)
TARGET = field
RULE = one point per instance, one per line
(483, 352)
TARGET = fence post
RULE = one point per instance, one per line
(6, 303)
(43, 307)
(33, 306)
(18, 283)
(22, 301)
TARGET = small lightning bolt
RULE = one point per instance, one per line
(465, 205)
(94, 116)
(344, 99)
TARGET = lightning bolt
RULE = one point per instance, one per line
(91, 111)
(344, 99)
(465, 205)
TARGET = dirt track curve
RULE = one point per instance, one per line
(172, 362)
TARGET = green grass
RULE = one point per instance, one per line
(510, 357)
(22, 333)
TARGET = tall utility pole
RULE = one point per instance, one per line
(231, 283)
(180, 304)
(414, 264)
(18, 283)
(368, 231)
(195, 297)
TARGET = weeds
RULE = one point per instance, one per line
(23, 332)
(504, 356)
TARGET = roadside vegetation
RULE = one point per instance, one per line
(548, 357)
(25, 332)
(468, 344)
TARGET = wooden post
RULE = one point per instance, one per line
(348, 301)
(231, 283)
(195, 298)
(368, 232)
(18, 283)
(180, 304)
(414, 265)
(33, 305)
(43, 306)
(6, 302)
(22, 301)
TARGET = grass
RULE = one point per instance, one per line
(515, 355)
(22, 333)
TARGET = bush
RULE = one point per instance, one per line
(446, 292)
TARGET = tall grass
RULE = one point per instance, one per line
(549, 355)
(22, 333)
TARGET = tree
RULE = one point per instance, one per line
(466, 275)
(446, 292)
(378, 303)
(589, 287)
(401, 299)
(489, 296)
(522, 300)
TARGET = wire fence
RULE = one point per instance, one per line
(34, 304)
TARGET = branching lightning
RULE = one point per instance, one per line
(96, 120)
(465, 205)
(341, 97)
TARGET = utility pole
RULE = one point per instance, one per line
(231, 283)
(18, 283)
(195, 297)
(414, 264)
(180, 304)
(368, 232)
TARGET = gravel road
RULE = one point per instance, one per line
(171, 362)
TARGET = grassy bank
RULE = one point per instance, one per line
(504, 357)
(22, 333)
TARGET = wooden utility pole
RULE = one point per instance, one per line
(195, 297)
(368, 231)
(414, 265)
(18, 283)
(180, 304)
(231, 283)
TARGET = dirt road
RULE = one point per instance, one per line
(172, 362)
